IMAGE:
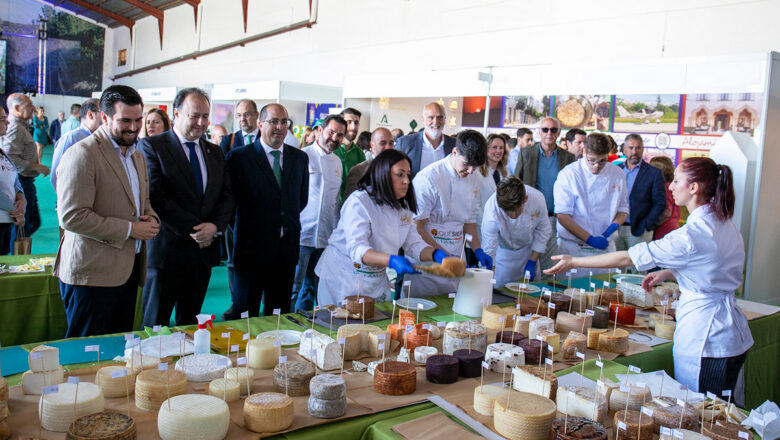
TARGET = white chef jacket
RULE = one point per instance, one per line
(706, 256)
(487, 187)
(364, 225)
(321, 214)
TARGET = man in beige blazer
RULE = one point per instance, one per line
(103, 206)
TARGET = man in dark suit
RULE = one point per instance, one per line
(270, 182)
(246, 115)
(55, 129)
(190, 191)
(538, 166)
(646, 195)
(430, 145)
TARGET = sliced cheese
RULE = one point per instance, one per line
(615, 341)
(593, 337)
(539, 325)
(268, 412)
(585, 402)
(261, 353)
(193, 416)
(521, 325)
(328, 351)
(120, 386)
(464, 334)
(58, 409)
(485, 396)
(203, 367)
(575, 343)
(49, 358)
(152, 387)
(502, 357)
(529, 379)
(243, 375)
(357, 341)
(33, 382)
(552, 339)
(567, 322)
(225, 389)
(523, 416)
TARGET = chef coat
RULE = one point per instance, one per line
(364, 225)
(487, 187)
(447, 201)
(511, 241)
(321, 213)
(706, 256)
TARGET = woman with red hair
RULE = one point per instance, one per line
(706, 257)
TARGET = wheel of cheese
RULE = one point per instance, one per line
(203, 367)
(327, 409)
(115, 386)
(422, 353)
(441, 368)
(353, 306)
(469, 362)
(665, 329)
(666, 412)
(575, 343)
(534, 349)
(49, 360)
(593, 337)
(523, 416)
(106, 425)
(586, 403)
(503, 357)
(418, 337)
(539, 325)
(600, 316)
(360, 340)
(609, 295)
(33, 382)
(577, 428)
(509, 337)
(624, 314)
(244, 376)
(465, 334)
(485, 396)
(395, 378)
(493, 315)
(261, 353)
(3, 390)
(638, 425)
(635, 398)
(615, 341)
(579, 300)
(191, 416)
(226, 389)
(58, 411)
(535, 380)
(268, 412)
(328, 387)
(292, 378)
(152, 387)
(138, 363)
(728, 431)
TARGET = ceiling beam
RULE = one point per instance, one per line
(118, 18)
(154, 12)
(194, 4)
(245, 8)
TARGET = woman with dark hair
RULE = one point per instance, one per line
(364, 142)
(376, 221)
(706, 257)
(670, 218)
(491, 172)
(156, 122)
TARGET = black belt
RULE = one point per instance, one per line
(550, 214)
(626, 224)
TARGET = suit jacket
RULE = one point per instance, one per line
(647, 199)
(174, 197)
(54, 130)
(354, 176)
(264, 211)
(528, 163)
(95, 205)
(238, 141)
(412, 145)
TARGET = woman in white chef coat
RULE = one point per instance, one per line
(491, 172)
(591, 200)
(515, 229)
(706, 257)
(376, 221)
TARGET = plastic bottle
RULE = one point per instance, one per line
(203, 336)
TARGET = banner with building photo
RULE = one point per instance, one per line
(716, 113)
(525, 111)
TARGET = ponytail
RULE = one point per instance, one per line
(716, 182)
(723, 200)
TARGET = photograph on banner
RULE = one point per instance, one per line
(716, 113)
(650, 152)
(474, 111)
(587, 112)
(406, 113)
(685, 154)
(3, 49)
(525, 111)
(647, 113)
(317, 111)
(222, 114)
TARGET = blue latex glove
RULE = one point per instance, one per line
(401, 265)
(597, 241)
(439, 255)
(483, 258)
(610, 230)
(530, 267)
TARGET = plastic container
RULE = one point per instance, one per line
(202, 335)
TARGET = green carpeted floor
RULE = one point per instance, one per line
(46, 241)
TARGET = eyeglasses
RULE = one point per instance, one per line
(278, 122)
(550, 129)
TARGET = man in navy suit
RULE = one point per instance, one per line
(429, 146)
(190, 191)
(246, 115)
(646, 195)
(270, 182)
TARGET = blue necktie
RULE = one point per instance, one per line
(195, 164)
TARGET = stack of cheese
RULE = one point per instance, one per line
(361, 340)
(268, 412)
(226, 389)
(203, 367)
(464, 334)
(292, 378)
(244, 376)
(115, 381)
(582, 402)
(485, 397)
(497, 318)
(523, 416)
(667, 412)
(328, 396)
(577, 428)
(152, 387)
(102, 426)
(263, 354)
(328, 351)
(531, 379)
(58, 409)
(503, 357)
(45, 369)
(193, 416)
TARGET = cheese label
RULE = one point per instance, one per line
(246, 336)
(600, 383)
(551, 305)
(647, 411)
(441, 324)
(246, 314)
(492, 281)
(118, 373)
(234, 348)
(524, 285)
(678, 434)
(548, 361)
(129, 336)
(589, 312)
(468, 237)
(222, 361)
(89, 348)
(409, 328)
(606, 283)
(282, 359)
(451, 295)
(424, 327)
(549, 347)
(573, 271)
(726, 393)
(711, 396)
(363, 301)
(618, 271)
(277, 311)
(381, 336)
(35, 355)
(582, 290)
(277, 343)
(333, 313)
(664, 302)
(571, 395)
(73, 379)
(625, 389)
(743, 434)
(381, 346)
(241, 361)
(407, 283)
(485, 365)
(317, 308)
(162, 366)
(517, 306)
(50, 389)
(501, 319)
(342, 341)
(621, 425)
(528, 274)
(634, 369)
(419, 306)
(157, 328)
(680, 402)
(580, 355)
(226, 335)
(178, 336)
(592, 285)
(666, 431)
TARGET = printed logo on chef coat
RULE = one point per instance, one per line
(406, 220)
(369, 271)
(446, 235)
(534, 215)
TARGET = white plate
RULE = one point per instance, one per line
(629, 278)
(411, 303)
(14, 269)
(47, 262)
(515, 287)
(288, 337)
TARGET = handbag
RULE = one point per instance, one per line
(22, 244)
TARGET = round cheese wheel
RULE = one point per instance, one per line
(137, 363)
(57, 409)
(485, 396)
(638, 425)
(615, 341)
(577, 428)
(395, 378)
(203, 367)
(244, 376)
(665, 329)
(535, 350)
(509, 337)
(624, 314)
(268, 412)
(503, 357)
(423, 352)
(190, 416)
(261, 353)
(666, 412)
(523, 416)
(327, 409)
(356, 308)
(469, 362)
(635, 398)
(225, 389)
(441, 368)
(328, 387)
(465, 334)
(115, 386)
(292, 378)
(102, 426)
(152, 387)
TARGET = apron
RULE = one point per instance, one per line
(450, 237)
(339, 278)
(8, 175)
(510, 264)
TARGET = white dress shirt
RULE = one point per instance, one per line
(429, 154)
(132, 176)
(255, 134)
(268, 149)
(198, 153)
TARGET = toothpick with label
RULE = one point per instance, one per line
(682, 404)
(502, 320)
(550, 305)
(314, 315)
(588, 312)
(227, 335)
(245, 315)
(600, 364)
(163, 366)
(662, 374)
(96, 349)
(362, 301)
(158, 329)
(51, 389)
(246, 356)
(222, 362)
(451, 296)
(278, 313)
(283, 360)
(342, 342)
(646, 411)
(123, 373)
(346, 317)
(74, 381)
(569, 395)
(547, 361)
(617, 311)
(330, 329)
(419, 307)
(582, 374)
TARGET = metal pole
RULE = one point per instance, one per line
(42, 37)
(489, 81)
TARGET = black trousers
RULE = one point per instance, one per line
(719, 374)
(181, 288)
(271, 285)
(5, 238)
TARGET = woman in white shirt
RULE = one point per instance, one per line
(376, 221)
(706, 257)
(491, 172)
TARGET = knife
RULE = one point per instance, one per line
(295, 321)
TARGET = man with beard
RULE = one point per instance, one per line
(103, 206)
(575, 142)
(349, 151)
(646, 195)
(430, 145)
(322, 212)
(190, 191)
(525, 138)
(246, 115)
(381, 140)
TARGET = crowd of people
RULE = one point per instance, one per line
(157, 202)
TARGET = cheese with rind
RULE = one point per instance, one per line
(577, 428)
(492, 317)
(567, 322)
(635, 398)
(226, 389)
(115, 386)
(262, 355)
(49, 360)
(614, 341)
(328, 387)
(530, 379)
(327, 409)
(503, 357)
(152, 387)
(358, 340)
(539, 325)
(422, 353)
(293, 377)
(464, 334)
(193, 416)
(328, 350)
(240, 375)
(638, 425)
(485, 396)
(33, 382)
(666, 412)
(665, 329)
(575, 343)
(203, 367)
(587, 403)
(268, 412)
(523, 416)
(593, 337)
(552, 339)
(57, 409)
(107, 425)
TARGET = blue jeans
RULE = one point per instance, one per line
(32, 217)
(306, 280)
